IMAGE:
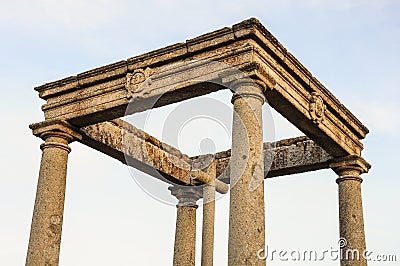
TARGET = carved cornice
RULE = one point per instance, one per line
(104, 93)
(253, 28)
(212, 39)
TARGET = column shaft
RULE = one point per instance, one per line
(185, 236)
(247, 214)
(207, 250)
(45, 236)
(351, 221)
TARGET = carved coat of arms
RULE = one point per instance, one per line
(317, 108)
(136, 79)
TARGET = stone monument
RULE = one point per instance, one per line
(87, 108)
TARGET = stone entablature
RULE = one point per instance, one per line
(101, 94)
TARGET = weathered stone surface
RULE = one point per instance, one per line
(46, 228)
(289, 156)
(198, 177)
(158, 57)
(351, 220)
(206, 163)
(185, 233)
(246, 208)
(101, 94)
(212, 39)
(185, 236)
(136, 148)
(207, 242)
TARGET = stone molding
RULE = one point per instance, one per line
(246, 88)
(349, 168)
(58, 128)
(248, 29)
(54, 144)
(104, 93)
(186, 195)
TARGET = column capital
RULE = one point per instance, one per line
(350, 167)
(58, 128)
(186, 195)
(243, 88)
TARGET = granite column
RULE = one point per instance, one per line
(351, 221)
(207, 248)
(247, 213)
(45, 235)
(185, 234)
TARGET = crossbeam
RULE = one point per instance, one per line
(284, 157)
(132, 146)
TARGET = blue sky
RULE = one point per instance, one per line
(350, 46)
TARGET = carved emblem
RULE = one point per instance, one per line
(317, 108)
(135, 80)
